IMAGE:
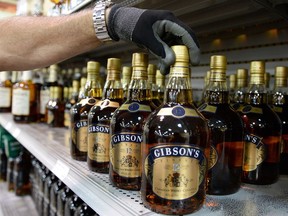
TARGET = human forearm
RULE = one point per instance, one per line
(30, 42)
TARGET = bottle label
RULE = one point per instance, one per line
(251, 109)
(126, 154)
(98, 143)
(107, 103)
(207, 108)
(5, 95)
(21, 102)
(80, 135)
(44, 98)
(50, 117)
(67, 120)
(135, 107)
(254, 152)
(177, 112)
(168, 168)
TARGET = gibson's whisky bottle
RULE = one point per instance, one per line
(204, 91)
(160, 85)
(152, 83)
(279, 104)
(99, 119)
(79, 113)
(227, 133)
(5, 92)
(263, 132)
(127, 128)
(175, 148)
(241, 89)
(126, 78)
(24, 107)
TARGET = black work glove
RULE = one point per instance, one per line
(155, 30)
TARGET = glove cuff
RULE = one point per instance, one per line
(122, 21)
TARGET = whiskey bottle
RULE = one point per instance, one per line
(204, 91)
(73, 98)
(22, 166)
(99, 119)
(127, 128)
(263, 132)
(227, 133)
(55, 109)
(24, 107)
(126, 78)
(5, 92)
(45, 91)
(82, 92)
(152, 84)
(175, 148)
(242, 83)
(160, 83)
(79, 113)
(279, 104)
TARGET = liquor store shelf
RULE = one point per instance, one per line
(51, 147)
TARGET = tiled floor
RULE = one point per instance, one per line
(12, 205)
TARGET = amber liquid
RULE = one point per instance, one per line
(6, 84)
(267, 126)
(79, 113)
(124, 121)
(56, 110)
(168, 130)
(99, 116)
(227, 136)
(156, 99)
(283, 115)
(32, 116)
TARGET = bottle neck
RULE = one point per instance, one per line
(256, 94)
(139, 90)
(113, 90)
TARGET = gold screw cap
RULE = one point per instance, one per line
(139, 60)
(218, 62)
(181, 53)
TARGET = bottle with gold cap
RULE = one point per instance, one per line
(175, 147)
(126, 78)
(82, 92)
(127, 128)
(227, 133)
(160, 85)
(55, 109)
(279, 104)
(79, 113)
(263, 132)
(99, 119)
(152, 83)
(72, 99)
(5, 92)
(238, 98)
(204, 91)
(232, 85)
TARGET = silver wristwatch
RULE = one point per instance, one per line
(99, 20)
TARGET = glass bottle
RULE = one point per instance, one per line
(85, 210)
(232, 86)
(62, 198)
(126, 78)
(22, 168)
(79, 113)
(55, 109)
(279, 104)
(54, 193)
(24, 107)
(175, 147)
(5, 92)
(238, 99)
(152, 84)
(44, 175)
(127, 128)
(227, 133)
(204, 92)
(72, 204)
(263, 132)
(82, 92)
(73, 98)
(99, 119)
(45, 90)
(160, 83)
(47, 189)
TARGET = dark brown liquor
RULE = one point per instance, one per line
(79, 113)
(227, 133)
(55, 108)
(175, 148)
(279, 104)
(5, 92)
(127, 128)
(99, 119)
(238, 98)
(263, 132)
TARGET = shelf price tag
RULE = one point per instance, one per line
(60, 170)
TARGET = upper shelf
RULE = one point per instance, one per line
(51, 147)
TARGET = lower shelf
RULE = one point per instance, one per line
(51, 147)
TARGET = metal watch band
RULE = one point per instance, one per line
(99, 20)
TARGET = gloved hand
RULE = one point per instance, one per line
(155, 30)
